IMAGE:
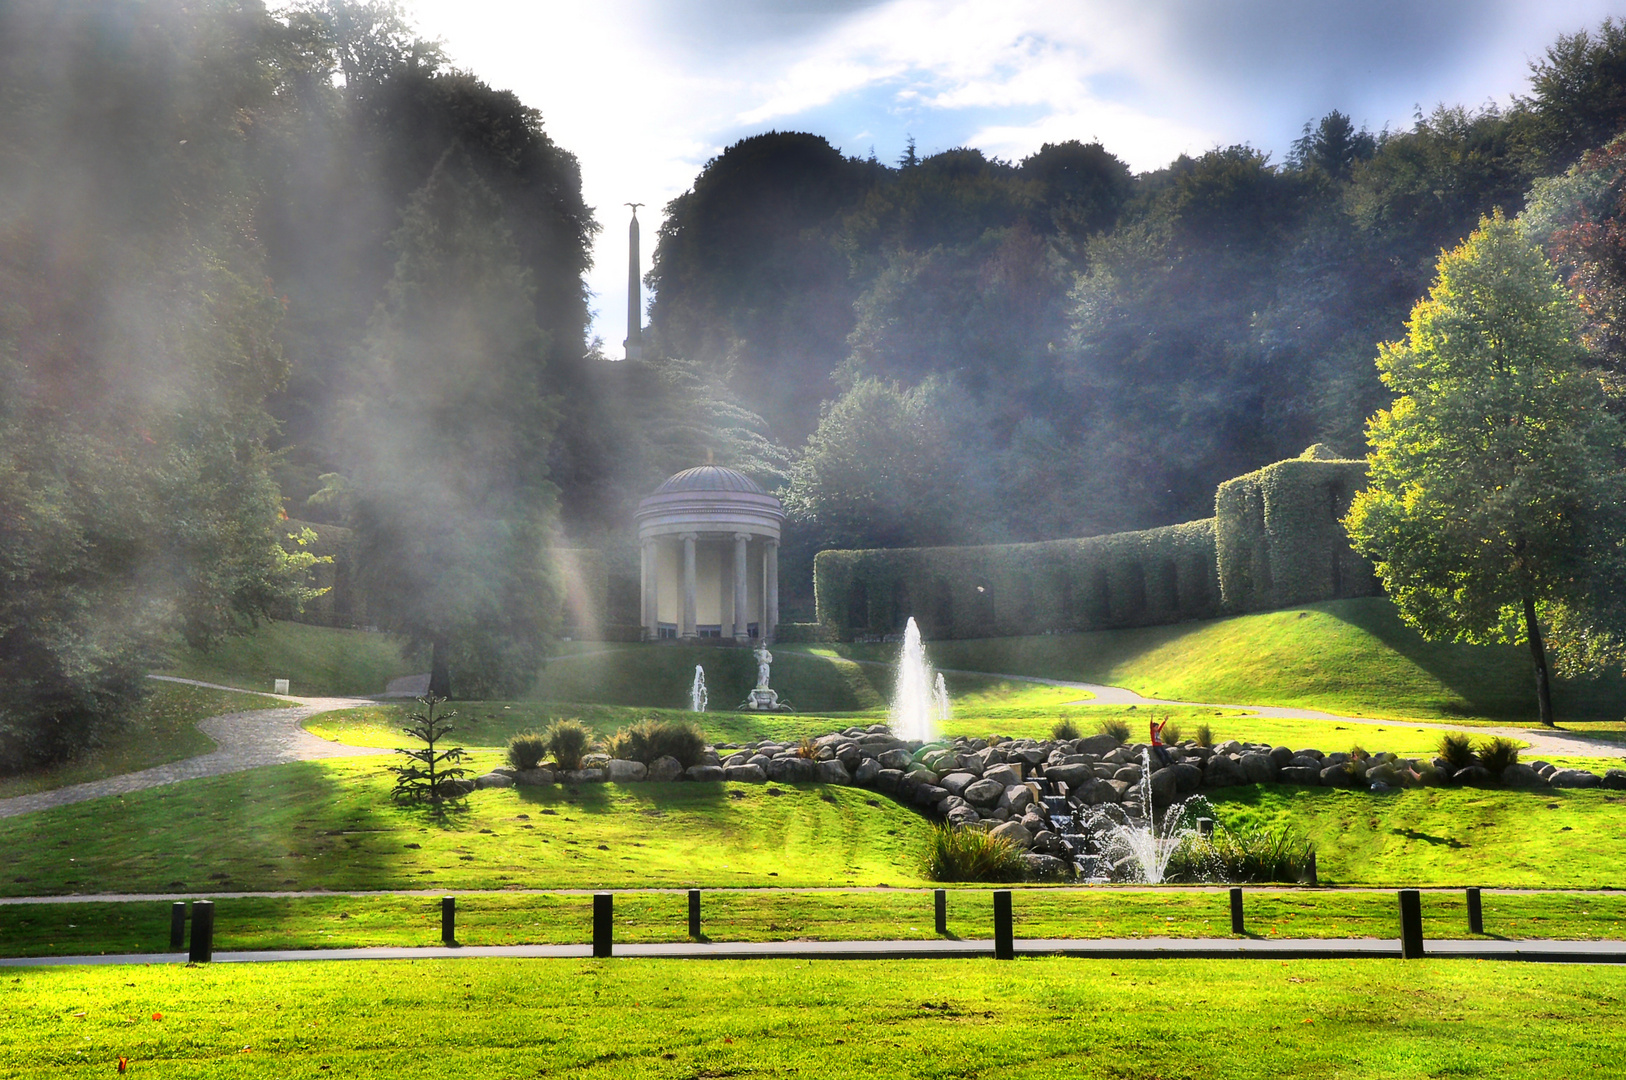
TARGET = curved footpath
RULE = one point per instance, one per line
(243, 740)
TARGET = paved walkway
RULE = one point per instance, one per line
(243, 740)
(1571, 952)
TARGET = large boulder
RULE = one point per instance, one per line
(1299, 774)
(963, 816)
(1615, 780)
(866, 771)
(707, 773)
(1115, 790)
(1045, 867)
(1224, 771)
(895, 759)
(533, 777)
(957, 782)
(1014, 832)
(1574, 778)
(791, 770)
(887, 780)
(1281, 757)
(1521, 775)
(1165, 783)
(1015, 798)
(1339, 775)
(984, 792)
(1476, 776)
(1004, 775)
(583, 776)
(626, 772)
(664, 769)
(1095, 745)
(834, 772)
(1258, 768)
(744, 774)
(1187, 777)
(455, 789)
(1074, 776)
(494, 779)
(1384, 772)
(929, 795)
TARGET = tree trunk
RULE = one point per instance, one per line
(1544, 690)
(440, 672)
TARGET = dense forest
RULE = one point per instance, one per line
(260, 266)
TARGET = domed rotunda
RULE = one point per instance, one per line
(710, 563)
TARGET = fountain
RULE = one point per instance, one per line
(697, 690)
(920, 703)
(1130, 838)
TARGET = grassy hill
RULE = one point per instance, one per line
(316, 660)
(1350, 656)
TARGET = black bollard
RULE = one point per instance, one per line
(1476, 914)
(1311, 876)
(694, 913)
(448, 920)
(203, 932)
(1411, 924)
(1236, 911)
(940, 907)
(1004, 940)
(177, 926)
(603, 922)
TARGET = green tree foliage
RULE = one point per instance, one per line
(1496, 490)
(450, 444)
(1578, 93)
(138, 341)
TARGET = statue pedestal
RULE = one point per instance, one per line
(763, 699)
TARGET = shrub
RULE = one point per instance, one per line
(1064, 730)
(806, 748)
(1497, 754)
(1205, 735)
(1242, 855)
(527, 749)
(1114, 726)
(1456, 750)
(567, 741)
(649, 740)
(971, 855)
(1170, 732)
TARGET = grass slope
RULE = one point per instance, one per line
(1124, 1019)
(332, 825)
(316, 660)
(163, 728)
(659, 676)
(336, 922)
(1350, 656)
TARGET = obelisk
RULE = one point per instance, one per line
(635, 334)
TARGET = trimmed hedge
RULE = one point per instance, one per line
(1102, 582)
(1281, 538)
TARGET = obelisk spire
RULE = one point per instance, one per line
(635, 333)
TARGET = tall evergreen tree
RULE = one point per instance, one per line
(450, 446)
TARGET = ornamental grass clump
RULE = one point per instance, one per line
(650, 740)
(568, 741)
(1240, 856)
(1064, 730)
(1204, 736)
(1115, 727)
(527, 749)
(954, 854)
(1456, 750)
(1498, 754)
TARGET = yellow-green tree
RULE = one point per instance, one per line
(1495, 478)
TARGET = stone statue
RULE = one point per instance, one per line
(764, 659)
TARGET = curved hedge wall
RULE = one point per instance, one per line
(1276, 540)
(1281, 538)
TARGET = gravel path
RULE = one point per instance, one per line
(243, 740)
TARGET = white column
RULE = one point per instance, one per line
(770, 558)
(652, 590)
(741, 612)
(687, 627)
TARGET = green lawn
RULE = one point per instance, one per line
(1350, 656)
(316, 660)
(163, 728)
(1120, 1019)
(333, 922)
(331, 824)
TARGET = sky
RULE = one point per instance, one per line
(645, 92)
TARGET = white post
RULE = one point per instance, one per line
(741, 613)
(770, 557)
(687, 629)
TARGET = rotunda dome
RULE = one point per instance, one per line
(709, 478)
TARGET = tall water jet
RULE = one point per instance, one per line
(697, 690)
(1139, 846)
(920, 701)
(940, 703)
